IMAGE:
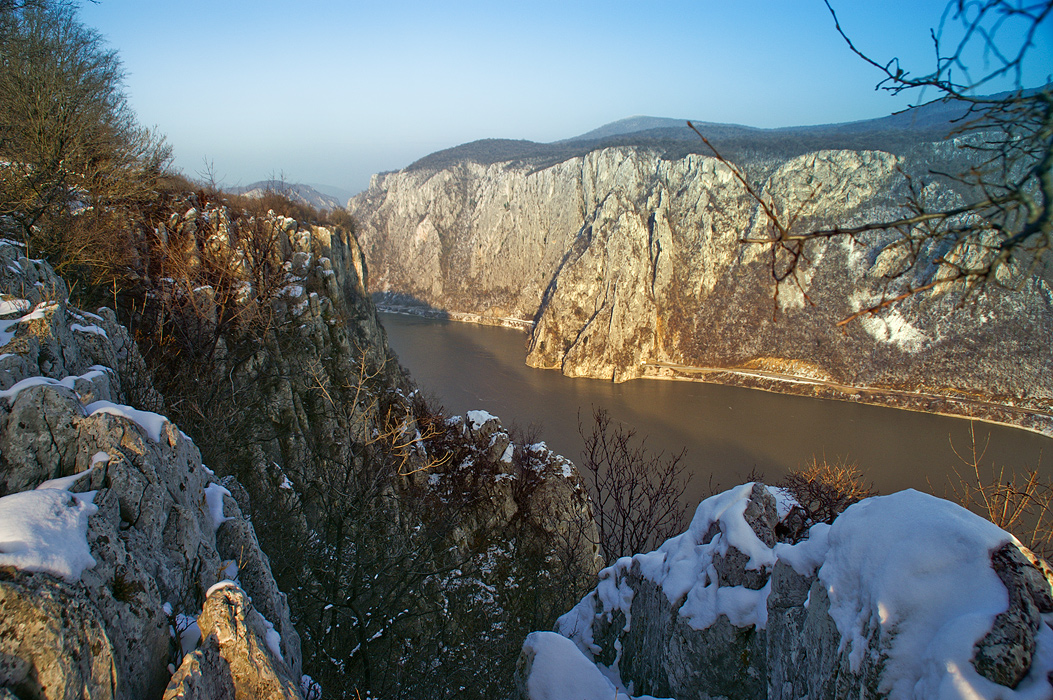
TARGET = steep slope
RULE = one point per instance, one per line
(115, 535)
(405, 537)
(626, 263)
(410, 543)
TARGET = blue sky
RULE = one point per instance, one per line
(332, 91)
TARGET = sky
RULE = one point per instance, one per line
(331, 91)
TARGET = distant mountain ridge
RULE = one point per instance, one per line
(672, 139)
(623, 253)
(298, 192)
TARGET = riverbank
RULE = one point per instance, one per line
(1026, 418)
(519, 324)
(1033, 419)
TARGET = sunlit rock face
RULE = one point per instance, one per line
(622, 260)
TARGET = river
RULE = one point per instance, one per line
(728, 431)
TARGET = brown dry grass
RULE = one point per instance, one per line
(823, 489)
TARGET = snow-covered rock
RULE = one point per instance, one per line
(905, 596)
(909, 596)
(107, 535)
(687, 620)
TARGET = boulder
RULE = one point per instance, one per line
(682, 621)
(903, 596)
(239, 657)
(103, 631)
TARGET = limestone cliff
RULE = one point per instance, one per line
(410, 543)
(624, 263)
(114, 531)
(405, 537)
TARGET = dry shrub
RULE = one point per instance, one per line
(637, 493)
(340, 218)
(1019, 502)
(824, 489)
(280, 203)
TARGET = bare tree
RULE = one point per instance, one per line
(637, 493)
(823, 489)
(1018, 501)
(70, 144)
(1001, 230)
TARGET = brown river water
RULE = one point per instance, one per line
(728, 431)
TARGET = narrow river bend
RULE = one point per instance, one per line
(728, 431)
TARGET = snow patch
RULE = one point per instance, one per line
(63, 483)
(151, 422)
(88, 329)
(272, 638)
(807, 555)
(894, 329)
(214, 494)
(47, 530)
(784, 501)
(561, 672)
(189, 633)
(219, 586)
(13, 306)
(479, 418)
(68, 383)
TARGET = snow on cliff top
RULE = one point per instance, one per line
(47, 529)
(917, 565)
(921, 566)
(681, 568)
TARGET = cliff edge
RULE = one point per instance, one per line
(115, 535)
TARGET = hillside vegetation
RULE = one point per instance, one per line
(408, 544)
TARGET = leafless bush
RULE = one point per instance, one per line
(1019, 502)
(69, 143)
(824, 489)
(341, 218)
(637, 492)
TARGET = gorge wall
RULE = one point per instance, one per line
(625, 264)
(345, 539)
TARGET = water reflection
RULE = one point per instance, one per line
(728, 431)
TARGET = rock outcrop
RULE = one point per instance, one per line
(904, 596)
(113, 528)
(409, 542)
(422, 540)
(239, 658)
(625, 264)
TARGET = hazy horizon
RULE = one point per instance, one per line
(332, 92)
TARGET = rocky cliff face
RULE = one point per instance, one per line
(904, 596)
(627, 264)
(407, 539)
(114, 532)
(411, 543)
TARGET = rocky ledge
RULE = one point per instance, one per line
(121, 552)
(903, 596)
